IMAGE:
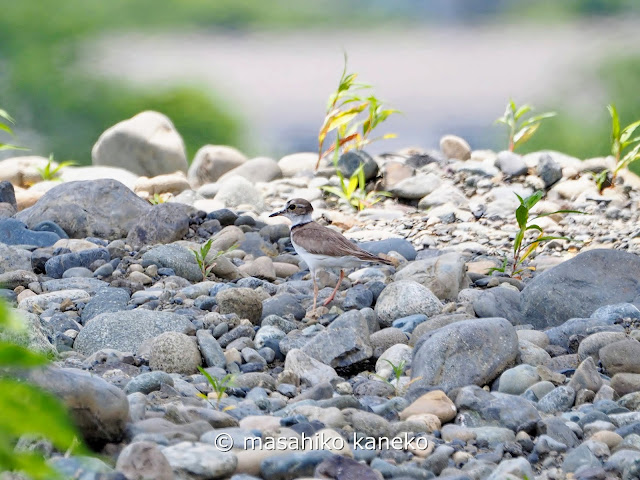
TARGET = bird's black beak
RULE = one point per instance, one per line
(275, 214)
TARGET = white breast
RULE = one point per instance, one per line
(315, 261)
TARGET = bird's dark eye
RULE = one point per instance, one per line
(292, 207)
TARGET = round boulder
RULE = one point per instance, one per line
(147, 144)
(175, 352)
(403, 298)
(102, 208)
(244, 302)
(213, 161)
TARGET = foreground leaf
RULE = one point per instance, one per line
(12, 355)
(28, 410)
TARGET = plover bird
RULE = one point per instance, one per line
(321, 247)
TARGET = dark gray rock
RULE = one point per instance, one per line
(14, 232)
(578, 458)
(470, 352)
(558, 430)
(105, 300)
(47, 226)
(480, 408)
(99, 409)
(180, 259)
(591, 280)
(57, 265)
(273, 233)
(559, 399)
(344, 468)
(499, 302)
(561, 334)
(293, 465)
(408, 324)
(548, 170)
(349, 162)
(126, 331)
(102, 208)
(343, 343)
(224, 216)
(358, 297)
(283, 305)
(255, 244)
(238, 332)
(8, 194)
(163, 223)
(402, 246)
(89, 285)
(148, 382)
(210, 349)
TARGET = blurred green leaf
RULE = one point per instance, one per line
(524, 134)
(615, 122)
(28, 410)
(12, 355)
(521, 111)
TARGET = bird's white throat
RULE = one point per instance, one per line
(300, 219)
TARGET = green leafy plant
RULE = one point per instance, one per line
(5, 120)
(354, 191)
(219, 386)
(156, 199)
(345, 115)
(51, 173)
(625, 148)
(521, 130)
(398, 371)
(205, 264)
(26, 409)
(521, 248)
(604, 179)
(502, 268)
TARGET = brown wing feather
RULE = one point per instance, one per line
(325, 241)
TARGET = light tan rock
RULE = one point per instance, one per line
(26, 198)
(455, 147)
(430, 421)
(173, 183)
(145, 144)
(610, 439)
(435, 402)
(23, 171)
(284, 270)
(75, 244)
(260, 422)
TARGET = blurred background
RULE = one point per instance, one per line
(257, 75)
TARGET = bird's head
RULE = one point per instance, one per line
(296, 209)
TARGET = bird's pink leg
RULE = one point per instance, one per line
(335, 290)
